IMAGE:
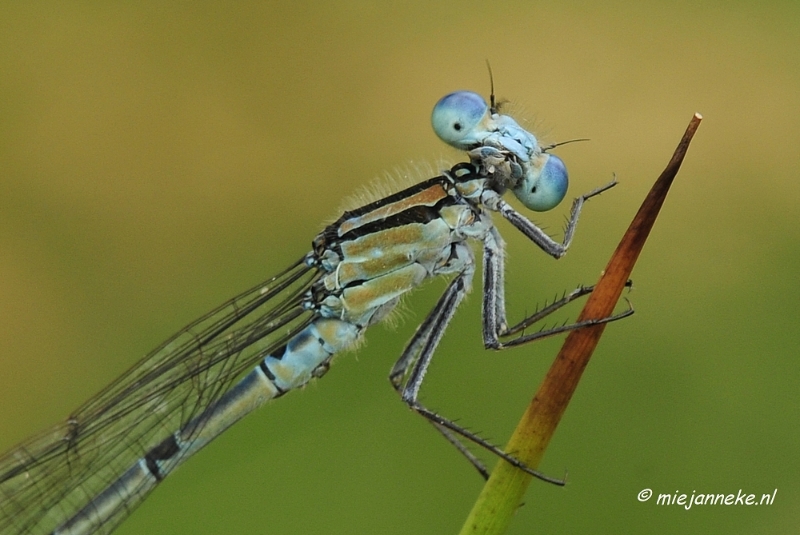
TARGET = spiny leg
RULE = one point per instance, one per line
(417, 356)
(495, 323)
(420, 349)
(436, 321)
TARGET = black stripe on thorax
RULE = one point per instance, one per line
(419, 214)
(416, 214)
(394, 197)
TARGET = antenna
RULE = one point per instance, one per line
(554, 145)
(492, 103)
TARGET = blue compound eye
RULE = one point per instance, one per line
(455, 117)
(545, 184)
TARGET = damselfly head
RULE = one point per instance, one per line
(463, 120)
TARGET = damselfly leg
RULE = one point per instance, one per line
(409, 371)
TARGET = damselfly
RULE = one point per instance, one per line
(88, 473)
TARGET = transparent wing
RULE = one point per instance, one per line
(48, 478)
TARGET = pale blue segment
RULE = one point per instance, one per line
(308, 350)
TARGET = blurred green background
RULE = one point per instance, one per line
(156, 159)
